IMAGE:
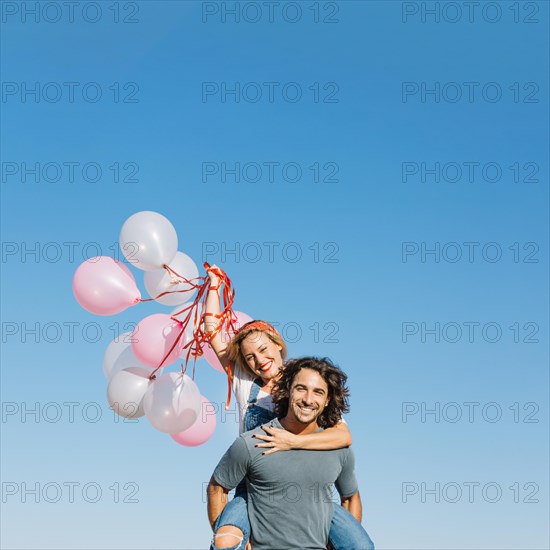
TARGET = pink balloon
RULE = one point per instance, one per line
(203, 428)
(211, 358)
(154, 336)
(105, 286)
(242, 319)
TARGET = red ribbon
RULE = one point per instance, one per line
(196, 315)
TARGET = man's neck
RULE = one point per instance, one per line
(297, 428)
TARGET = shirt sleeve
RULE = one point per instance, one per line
(233, 466)
(241, 384)
(346, 484)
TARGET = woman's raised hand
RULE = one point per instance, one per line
(276, 440)
(214, 274)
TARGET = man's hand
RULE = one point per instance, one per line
(277, 440)
(353, 506)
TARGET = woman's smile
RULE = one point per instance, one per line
(266, 366)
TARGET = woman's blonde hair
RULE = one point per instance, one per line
(235, 354)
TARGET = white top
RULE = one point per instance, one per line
(243, 380)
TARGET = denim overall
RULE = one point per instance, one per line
(256, 416)
(346, 533)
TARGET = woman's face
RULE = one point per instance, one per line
(262, 355)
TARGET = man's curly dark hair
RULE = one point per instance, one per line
(338, 392)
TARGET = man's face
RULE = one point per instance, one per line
(308, 397)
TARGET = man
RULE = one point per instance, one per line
(289, 493)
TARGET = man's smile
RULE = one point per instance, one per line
(306, 409)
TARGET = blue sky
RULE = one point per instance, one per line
(333, 245)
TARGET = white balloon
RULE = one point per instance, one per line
(181, 317)
(159, 281)
(119, 356)
(126, 390)
(172, 403)
(148, 240)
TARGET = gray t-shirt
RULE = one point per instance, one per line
(289, 492)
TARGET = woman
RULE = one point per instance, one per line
(256, 354)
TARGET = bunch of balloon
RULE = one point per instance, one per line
(133, 362)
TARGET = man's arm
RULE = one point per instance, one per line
(217, 500)
(229, 472)
(347, 487)
(353, 505)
